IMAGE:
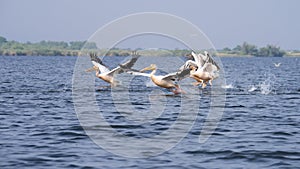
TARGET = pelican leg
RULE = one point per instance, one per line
(177, 90)
(210, 82)
(197, 83)
(204, 85)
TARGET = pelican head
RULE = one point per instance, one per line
(151, 67)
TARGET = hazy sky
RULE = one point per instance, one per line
(225, 22)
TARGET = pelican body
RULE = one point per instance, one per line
(203, 69)
(167, 81)
(103, 72)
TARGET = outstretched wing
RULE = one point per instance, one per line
(98, 63)
(199, 59)
(181, 74)
(130, 63)
(214, 63)
(170, 76)
(177, 76)
(187, 64)
(210, 65)
(125, 66)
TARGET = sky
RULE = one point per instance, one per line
(226, 23)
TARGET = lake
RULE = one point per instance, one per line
(259, 128)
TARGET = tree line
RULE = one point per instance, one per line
(54, 48)
(43, 48)
(249, 49)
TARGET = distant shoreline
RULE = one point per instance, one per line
(222, 55)
(74, 48)
(127, 52)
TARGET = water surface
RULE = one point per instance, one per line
(259, 128)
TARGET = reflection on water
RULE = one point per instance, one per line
(260, 126)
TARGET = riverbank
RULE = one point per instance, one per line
(74, 48)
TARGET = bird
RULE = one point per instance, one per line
(277, 64)
(168, 81)
(103, 72)
(203, 68)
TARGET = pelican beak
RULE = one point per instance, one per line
(145, 69)
(92, 69)
(151, 67)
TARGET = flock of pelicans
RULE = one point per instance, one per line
(202, 68)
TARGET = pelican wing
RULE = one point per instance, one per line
(181, 74)
(210, 67)
(207, 62)
(195, 57)
(95, 59)
(98, 63)
(199, 59)
(170, 76)
(214, 63)
(187, 64)
(129, 64)
(125, 66)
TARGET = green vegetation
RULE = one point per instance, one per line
(43, 48)
(52, 48)
(252, 50)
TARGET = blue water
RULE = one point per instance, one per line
(260, 126)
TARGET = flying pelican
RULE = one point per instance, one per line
(167, 81)
(203, 69)
(103, 72)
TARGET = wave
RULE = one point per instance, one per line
(227, 86)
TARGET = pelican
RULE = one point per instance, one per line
(167, 81)
(203, 69)
(103, 72)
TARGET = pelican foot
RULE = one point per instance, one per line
(196, 83)
(178, 91)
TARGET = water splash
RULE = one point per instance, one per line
(267, 86)
(228, 86)
(252, 88)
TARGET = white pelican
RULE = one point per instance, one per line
(203, 68)
(103, 72)
(167, 81)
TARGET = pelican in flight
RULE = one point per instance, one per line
(103, 72)
(168, 81)
(203, 69)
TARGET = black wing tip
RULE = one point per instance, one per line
(135, 53)
(95, 58)
(92, 55)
